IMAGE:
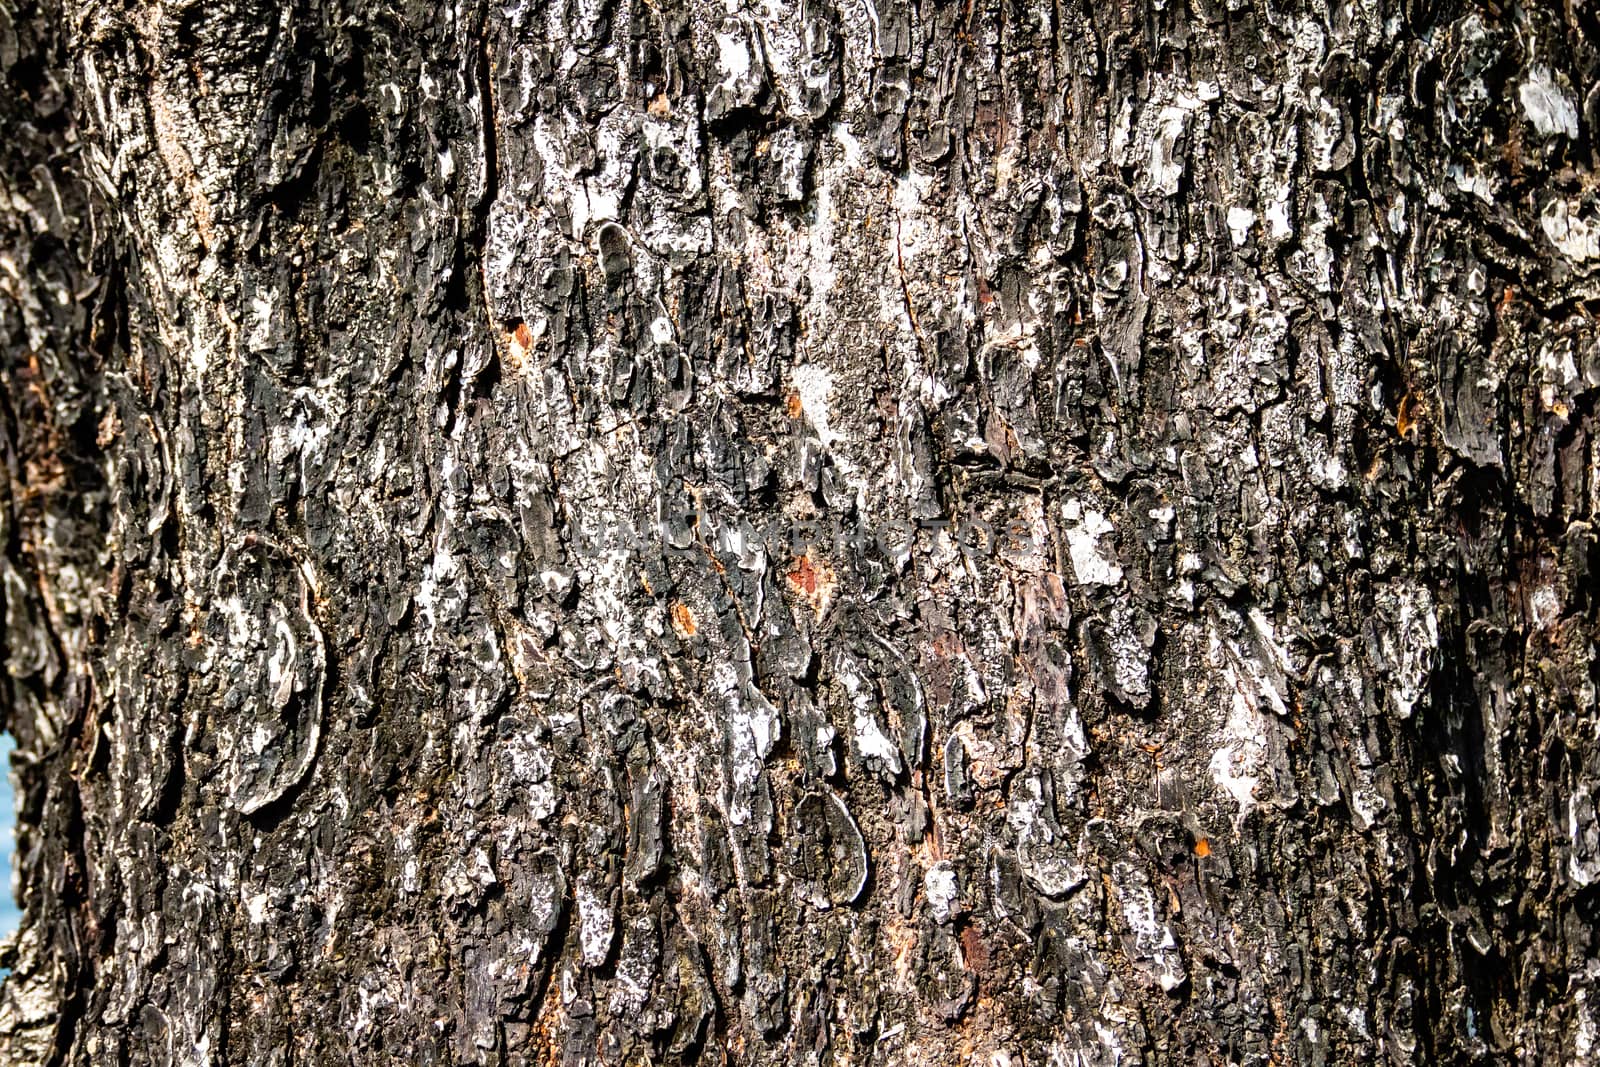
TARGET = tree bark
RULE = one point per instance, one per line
(627, 532)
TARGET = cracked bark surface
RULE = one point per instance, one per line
(665, 532)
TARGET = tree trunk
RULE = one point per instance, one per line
(850, 532)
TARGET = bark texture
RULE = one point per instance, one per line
(847, 532)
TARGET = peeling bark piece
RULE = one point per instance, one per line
(1119, 651)
(268, 649)
(833, 860)
(1046, 858)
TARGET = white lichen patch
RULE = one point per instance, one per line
(1254, 681)
(872, 743)
(1326, 133)
(942, 890)
(1091, 562)
(530, 762)
(1474, 182)
(1166, 160)
(1558, 373)
(1545, 607)
(261, 310)
(908, 236)
(596, 923)
(1230, 763)
(1152, 938)
(1279, 225)
(752, 730)
(1407, 631)
(1240, 219)
(1272, 661)
(733, 55)
(1574, 237)
(1047, 860)
(1583, 835)
(813, 384)
(1548, 104)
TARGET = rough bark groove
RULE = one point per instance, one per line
(862, 532)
